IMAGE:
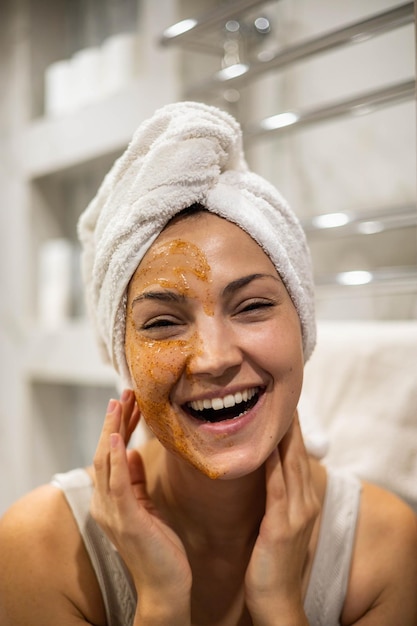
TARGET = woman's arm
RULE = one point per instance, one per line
(383, 583)
(45, 575)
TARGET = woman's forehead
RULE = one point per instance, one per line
(199, 254)
(202, 240)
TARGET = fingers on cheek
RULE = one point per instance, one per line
(130, 415)
(113, 415)
(133, 422)
(301, 486)
(306, 507)
(127, 402)
(119, 472)
(276, 487)
(290, 486)
(109, 503)
(111, 424)
(296, 463)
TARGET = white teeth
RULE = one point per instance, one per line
(217, 404)
(227, 402)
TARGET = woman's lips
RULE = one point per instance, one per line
(220, 409)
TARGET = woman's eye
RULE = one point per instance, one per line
(162, 322)
(255, 305)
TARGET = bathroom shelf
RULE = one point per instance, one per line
(67, 355)
(49, 145)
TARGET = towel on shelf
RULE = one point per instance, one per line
(186, 153)
(315, 437)
(360, 388)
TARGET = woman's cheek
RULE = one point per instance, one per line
(155, 368)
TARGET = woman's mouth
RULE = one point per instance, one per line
(228, 407)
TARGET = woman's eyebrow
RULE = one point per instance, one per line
(235, 285)
(161, 296)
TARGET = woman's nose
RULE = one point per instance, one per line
(216, 350)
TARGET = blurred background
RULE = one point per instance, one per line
(325, 92)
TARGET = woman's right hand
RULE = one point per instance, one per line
(153, 553)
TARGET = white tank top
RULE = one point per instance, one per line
(329, 577)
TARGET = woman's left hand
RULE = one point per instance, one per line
(273, 581)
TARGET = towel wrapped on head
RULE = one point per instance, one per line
(186, 153)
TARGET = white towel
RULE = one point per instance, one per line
(186, 153)
(360, 389)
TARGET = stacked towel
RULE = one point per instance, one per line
(186, 153)
(360, 390)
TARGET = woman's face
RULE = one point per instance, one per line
(213, 344)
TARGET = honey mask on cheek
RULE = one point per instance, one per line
(157, 363)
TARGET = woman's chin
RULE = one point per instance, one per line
(215, 467)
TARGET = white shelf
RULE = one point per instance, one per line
(49, 145)
(68, 355)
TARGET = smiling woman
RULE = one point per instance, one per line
(206, 309)
(199, 285)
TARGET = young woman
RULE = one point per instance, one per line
(199, 286)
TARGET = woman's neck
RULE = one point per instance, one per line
(202, 510)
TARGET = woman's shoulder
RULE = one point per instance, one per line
(46, 571)
(37, 521)
(383, 574)
(34, 524)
